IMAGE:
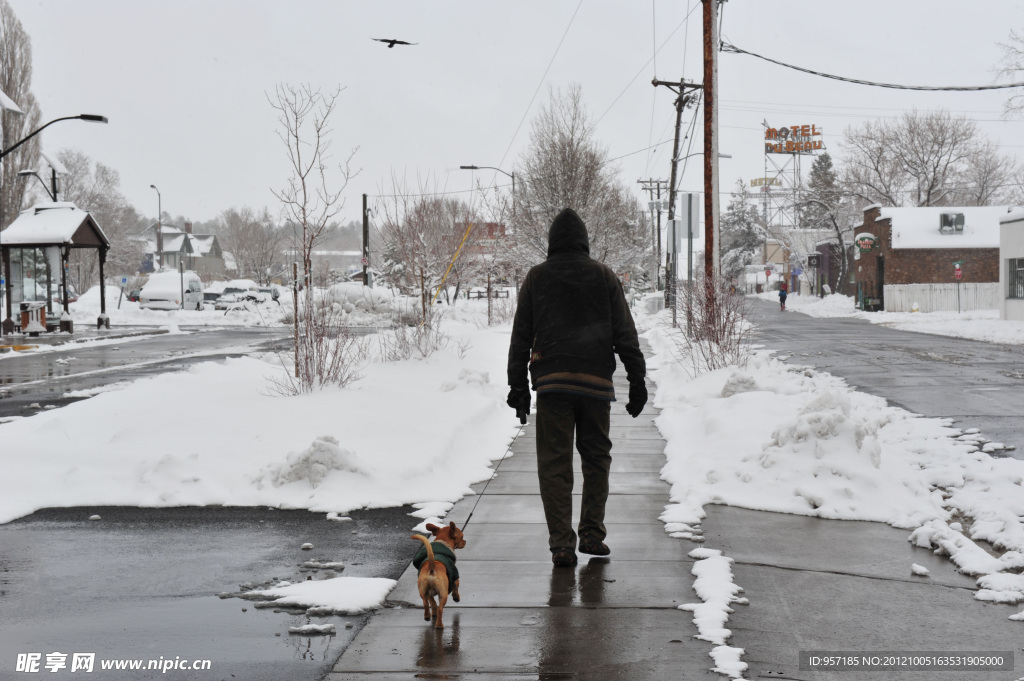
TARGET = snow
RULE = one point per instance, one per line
(421, 431)
(337, 596)
(45, 223)
(983, 325)
(918, 227)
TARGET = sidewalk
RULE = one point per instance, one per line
(813, 585)
(520, 618)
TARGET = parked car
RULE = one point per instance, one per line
(163, 291)
(134, 295)
(210, 298)
(272, 291)
(237, 292)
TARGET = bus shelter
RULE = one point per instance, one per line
(35, 251)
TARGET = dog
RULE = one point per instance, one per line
(437, 579)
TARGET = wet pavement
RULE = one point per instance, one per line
(975, 383)
(55, 374)
(143, 583)
(520, 618)
(813, 585)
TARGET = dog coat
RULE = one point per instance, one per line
(442, 554)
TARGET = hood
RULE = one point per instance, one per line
(568, 234)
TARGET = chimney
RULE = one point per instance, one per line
(188, 227)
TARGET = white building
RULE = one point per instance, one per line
(1011, 265)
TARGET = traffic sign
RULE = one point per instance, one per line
(365, 262)
(958, 273)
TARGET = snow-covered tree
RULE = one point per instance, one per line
(742, 232)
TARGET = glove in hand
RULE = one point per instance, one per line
(637, 398)
(519, 399)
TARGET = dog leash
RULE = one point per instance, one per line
(494, 474)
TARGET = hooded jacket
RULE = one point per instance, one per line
(572, 319)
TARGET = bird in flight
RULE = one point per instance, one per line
(392, 42)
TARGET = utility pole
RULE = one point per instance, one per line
(366, 242)
(712, 229)
(682, 88)
(652, 186)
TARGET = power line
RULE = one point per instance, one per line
(726, 47)
(540, 84)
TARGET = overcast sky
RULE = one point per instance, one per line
(185, 82)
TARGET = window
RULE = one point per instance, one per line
(1015, 274)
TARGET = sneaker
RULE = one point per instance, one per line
(563, 557)
(594, 547)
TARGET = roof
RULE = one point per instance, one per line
(1012, 217)
(918, 227)
(176, 243)
(202, 244)
(51, 224)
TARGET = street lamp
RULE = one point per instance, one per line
(159, 229)
(512, 175)
(7, 105)
(27, 173)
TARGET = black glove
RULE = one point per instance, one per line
(637, 398)
(519, 399)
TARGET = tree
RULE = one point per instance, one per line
(421, 234)
(311, 198)
(564, 167)
(825, 206)
(16, 83)
(742, 233)
(323, 352)
(1012, 68)
(253, 239)
(95, 188)
(929, 159)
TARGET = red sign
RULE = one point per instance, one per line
(958, 273)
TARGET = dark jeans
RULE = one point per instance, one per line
(559, 417)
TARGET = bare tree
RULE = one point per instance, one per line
(921, 159)
(310, 200)
(564, 167)
(96, 188)
(421, 233)
(988, 178)
(16, 83)
(1012, 68)
(253, 239)
(312, 196)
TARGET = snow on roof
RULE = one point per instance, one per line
(1016, 215)
(202, 243)
(48, 223)
(173, 242)
(918, 227)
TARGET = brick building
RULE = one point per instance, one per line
(908, 257)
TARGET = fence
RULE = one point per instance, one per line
(936, 297)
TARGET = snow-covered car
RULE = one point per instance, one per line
(210, 298)
(238, 292)
(165, 291)
(272, 291)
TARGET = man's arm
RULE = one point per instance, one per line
(625, 341)
(522, 338)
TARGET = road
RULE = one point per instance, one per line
(45, 377)
(142, 583)
(977, 384)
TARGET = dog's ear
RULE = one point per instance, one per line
(433, 529)
(453, 527)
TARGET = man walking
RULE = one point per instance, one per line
(571, 320)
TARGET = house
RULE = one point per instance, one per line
(198, 252)
(1011, 270)
(208, 257)
(928, 258)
